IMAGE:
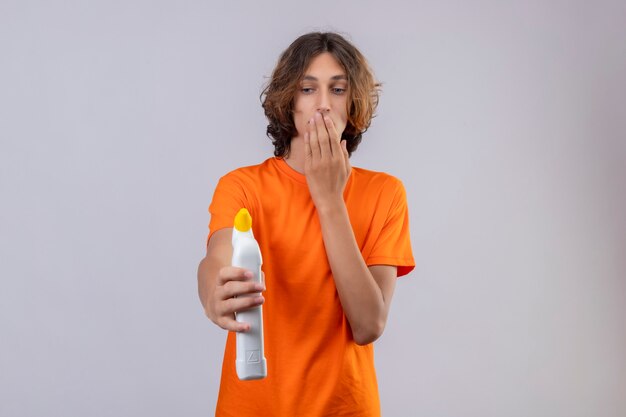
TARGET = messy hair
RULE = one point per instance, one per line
(278, 96)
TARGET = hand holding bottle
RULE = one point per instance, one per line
(232, 284)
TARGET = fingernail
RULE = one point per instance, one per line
(311, 121)
(249, 274)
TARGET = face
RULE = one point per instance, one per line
(324, 88)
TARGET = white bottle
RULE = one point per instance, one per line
(250, 363)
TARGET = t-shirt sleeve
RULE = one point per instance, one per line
(393, 244)
(228, 198)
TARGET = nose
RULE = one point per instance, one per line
(323, 105)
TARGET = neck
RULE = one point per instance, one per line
(296, 155)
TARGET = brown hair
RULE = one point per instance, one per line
(281, 89)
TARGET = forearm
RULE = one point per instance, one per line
(361, 297)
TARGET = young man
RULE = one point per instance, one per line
(334, 238)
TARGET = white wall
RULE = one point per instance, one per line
(505, 120)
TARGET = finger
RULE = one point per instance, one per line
(307, 146)
(313, 141)
(232, 325)
(234, 305)
(236, 288)
(346, 155)
(322, 136)
(233, 273)
(334, 137)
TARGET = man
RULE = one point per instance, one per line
(334, 238)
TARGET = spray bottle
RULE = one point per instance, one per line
(250, 363)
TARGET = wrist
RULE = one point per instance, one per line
(331, 207)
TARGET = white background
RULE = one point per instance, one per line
(506, 122)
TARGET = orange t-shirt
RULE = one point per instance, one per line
(314, 367)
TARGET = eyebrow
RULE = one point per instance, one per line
(334, 77)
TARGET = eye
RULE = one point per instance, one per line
(339, 90)
(306, 90)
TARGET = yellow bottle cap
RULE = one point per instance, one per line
(243, 220)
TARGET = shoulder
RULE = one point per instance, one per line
(369, 179)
